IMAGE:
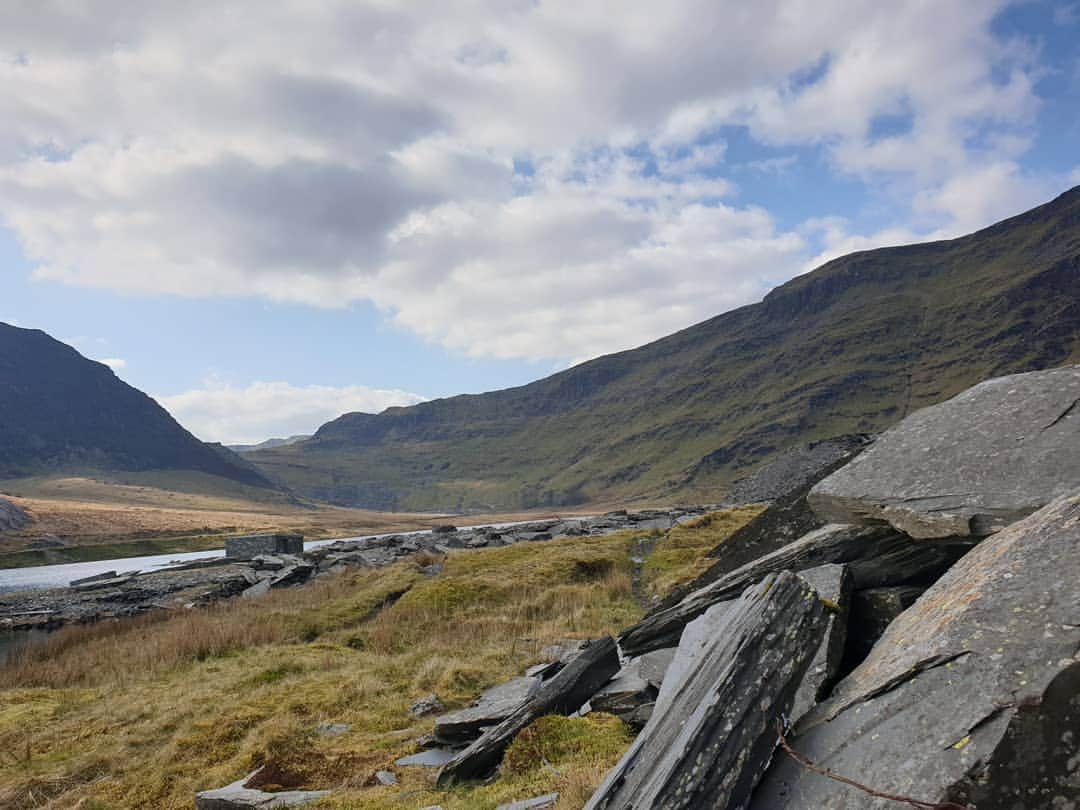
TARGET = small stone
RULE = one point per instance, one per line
(430, 704)
(237, 797)
(332, 729)
(432, 758)
(385, 778)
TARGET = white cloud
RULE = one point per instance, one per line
(263, 410)
(505, 178)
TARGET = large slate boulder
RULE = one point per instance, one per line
(971, 696)
(833, 584)
(876, 555)
(968, 466)
(712, 732)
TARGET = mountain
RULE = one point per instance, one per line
(60, 412)
(269, 444)
(851, 347)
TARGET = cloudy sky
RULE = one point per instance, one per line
(266, 214)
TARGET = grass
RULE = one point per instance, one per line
(145, 713)
(679, 556)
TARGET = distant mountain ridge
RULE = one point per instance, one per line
(851, 347)
(62, 412)
(268, 444)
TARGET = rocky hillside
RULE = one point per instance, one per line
(849, 348)
(60, 412)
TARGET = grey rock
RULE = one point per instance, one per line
(833, 584)
(876, 555)
(102, 577)
(872, 611)
(108, 582)
(544, 670)
(539, 803)
(429, 704)
(332, 729)
(491, 708)
(653, 666)
(711, 734)
(653, 524)
(563, 694)
(444, 529)
(532, 537)
(292, 575)
(48, 541)
(970, 465)
(258, 589)
(238, 797)
(795, 468)
(12, 516)
(639, 717)
(432, 758)
(564, 652)
(971, 696)
(625, 692)
(385, 778)
(267, 562)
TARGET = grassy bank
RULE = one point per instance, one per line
(145, 713)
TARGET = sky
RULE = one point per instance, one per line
(268, 214)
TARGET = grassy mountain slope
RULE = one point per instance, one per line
(61, 412)
(851, 347)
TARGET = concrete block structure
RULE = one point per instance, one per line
(251, 545)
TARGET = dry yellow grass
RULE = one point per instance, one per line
(680, 555)
(144, 714)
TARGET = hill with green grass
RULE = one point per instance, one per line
(851, 347)
(63, 413)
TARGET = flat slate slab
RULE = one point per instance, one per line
(238, 797)
(833, 584)
(712, 732)
(968, 466)
(564, 694)
(971, 696)
(490, 709)
(876, 555)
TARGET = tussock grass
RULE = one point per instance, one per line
(118, 652)
(680, 555)
(145, 713)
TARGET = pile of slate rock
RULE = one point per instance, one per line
(907, 626)
(923, 644)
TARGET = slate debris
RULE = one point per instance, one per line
(711, 734)
(875, 555)
(563, 694)
(202, 582)
(973, 693)
(787, 518)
